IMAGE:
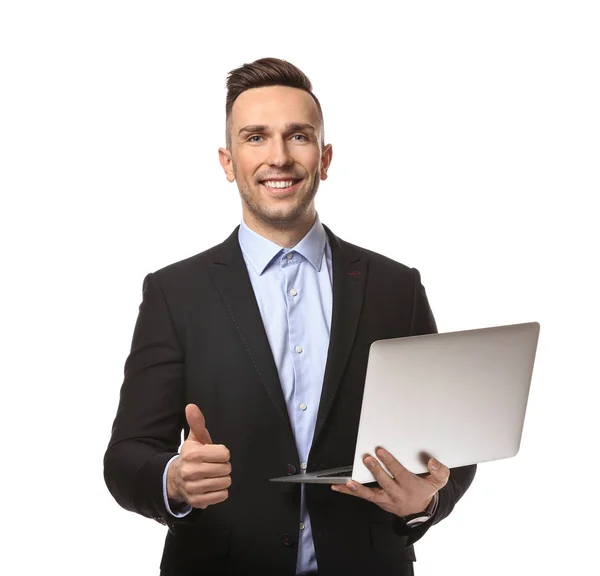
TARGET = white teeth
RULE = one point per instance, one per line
(278, 184)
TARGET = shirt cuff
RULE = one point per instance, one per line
(181, 509)
(431, 509)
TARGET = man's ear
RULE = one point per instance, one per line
(227, 163)
(326, 160)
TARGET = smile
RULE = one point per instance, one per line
(279, 183)
(279, 186)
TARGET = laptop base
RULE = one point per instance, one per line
(331, 476)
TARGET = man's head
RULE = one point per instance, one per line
(266, 72)
(275, 144)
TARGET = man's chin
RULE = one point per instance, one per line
(285, 211)
(282, 218)
(279, 220)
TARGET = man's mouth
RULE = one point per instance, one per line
(280, 184)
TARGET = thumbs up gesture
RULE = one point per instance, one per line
(201, 474)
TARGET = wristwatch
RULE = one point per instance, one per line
(421, 517)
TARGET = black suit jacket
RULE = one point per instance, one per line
(199, 338)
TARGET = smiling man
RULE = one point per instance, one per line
(277, 163)
(264, 339)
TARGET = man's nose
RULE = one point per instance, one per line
(279, 153)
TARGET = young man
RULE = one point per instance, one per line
(264, 340)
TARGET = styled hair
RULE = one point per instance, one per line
(265, 72)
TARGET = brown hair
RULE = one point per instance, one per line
(265, 72)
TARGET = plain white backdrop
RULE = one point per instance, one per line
(466, 143)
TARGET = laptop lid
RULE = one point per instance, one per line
(459, 397)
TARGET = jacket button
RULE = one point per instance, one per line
(291, 469)
(288, 540)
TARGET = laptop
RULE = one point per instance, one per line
(459, 397)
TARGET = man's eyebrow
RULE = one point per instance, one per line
(258, 128)
(294, 126)
(261, 128)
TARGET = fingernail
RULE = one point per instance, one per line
(335, 488)
(370, 462)
(352, 487)
(435, 465)
(382, 453)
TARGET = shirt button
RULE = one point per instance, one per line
(303, 465)
(293, 292)
(301, 525)
(289, 255)
(298, 349)
(302, 406)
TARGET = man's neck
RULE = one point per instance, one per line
(286, 236)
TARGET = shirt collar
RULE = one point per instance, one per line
(259, 251)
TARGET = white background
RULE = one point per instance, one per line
(466, 143)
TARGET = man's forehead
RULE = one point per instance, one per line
(275, 105)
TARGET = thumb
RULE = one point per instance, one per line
(195, 420)
(438, 473)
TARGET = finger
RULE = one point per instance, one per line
(212, 470)
(438, 473)
(207, 485)
(353, 488)
(204, 500)
(196, 453)
(215, 454)
(191, 471)
(398, 471)
(195, 420)
(383, 478)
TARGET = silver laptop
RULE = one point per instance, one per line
(459, 397)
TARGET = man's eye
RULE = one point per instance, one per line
(300, 137)
(255, 138)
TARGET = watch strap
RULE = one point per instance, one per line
(421, 517)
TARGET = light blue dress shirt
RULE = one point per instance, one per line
(293, 288)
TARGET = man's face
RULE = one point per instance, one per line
(276, 155)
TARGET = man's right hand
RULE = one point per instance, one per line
(201, 474)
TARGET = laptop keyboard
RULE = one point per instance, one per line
(334, 474)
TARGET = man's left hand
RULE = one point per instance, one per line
(405, 493)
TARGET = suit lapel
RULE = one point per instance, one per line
(349, 277)
(230, 276)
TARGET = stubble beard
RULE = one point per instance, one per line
(284, 218)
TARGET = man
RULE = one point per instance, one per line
(263, 340)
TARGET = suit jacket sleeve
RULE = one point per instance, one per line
(146, 432)
(460, 479)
